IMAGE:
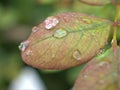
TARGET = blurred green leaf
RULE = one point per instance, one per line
(8, 18)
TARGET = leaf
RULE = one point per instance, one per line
(65, 40)
(96, 2)
(101, 73)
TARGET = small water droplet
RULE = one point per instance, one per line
(35, 29)
(112, 41)
(104, 63)
(101, 52)
(77, 54)
(60, 33)
(23, 45)
(51, 22)
(28, 52)
(85, 76)
(87, 21)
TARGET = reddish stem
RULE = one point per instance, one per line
(116, 24)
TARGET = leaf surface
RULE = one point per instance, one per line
(65, 40)
(96, 2)
(101, 73)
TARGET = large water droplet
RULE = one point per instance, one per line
(51, 22)
(77, 55)
(35, 29)
(60, 33)
(23, 45)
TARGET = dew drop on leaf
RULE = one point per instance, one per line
(77, 55)
(101, 64)
(101, 52)
(51, 22)
(85, 76)
(29, 52)
(112, 41)
(35, 29)
(60, 33)
(23, 45)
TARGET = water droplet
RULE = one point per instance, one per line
(103, 63)
(87, 21)
(85, 76)
(77, 55)
(112, 41)
(100, 52)
(51, 22)
(28, 52)
(60, 33)
(35, 29)
(23, 45)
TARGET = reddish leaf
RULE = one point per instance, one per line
(101, 73)
(65, 40)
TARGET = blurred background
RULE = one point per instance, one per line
(17, 17)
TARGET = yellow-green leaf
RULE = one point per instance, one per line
(101, 73)
(65, 40)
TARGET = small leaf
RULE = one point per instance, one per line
(65, 40)
(96, 2)
(101, 73)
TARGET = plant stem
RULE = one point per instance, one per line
(114, 45)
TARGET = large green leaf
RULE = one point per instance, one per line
(96, 2)
(65, 40)
(101, 73)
